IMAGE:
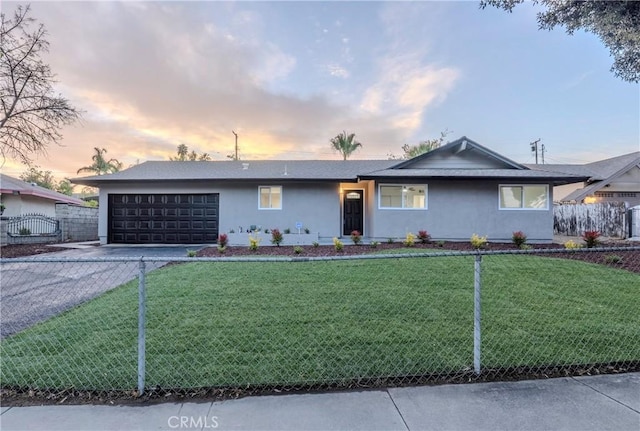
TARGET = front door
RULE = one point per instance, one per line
(353, 208)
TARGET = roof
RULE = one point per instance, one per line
(459, 145)
(601, 173)
(288, 170)
(334, 170)
(501, 174)
(597, 171)
(10, 185)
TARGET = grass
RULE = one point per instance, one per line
(272, 323)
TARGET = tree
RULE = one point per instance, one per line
(65, 187)
(31, 114)
(45, 179)
(411, 151)
(345, 144)
(34, 175)
(184, 155)
(616, 23)
(100, 165)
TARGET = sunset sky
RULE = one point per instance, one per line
(288, 76)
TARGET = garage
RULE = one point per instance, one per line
(163, 218)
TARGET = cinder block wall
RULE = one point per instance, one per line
(77, 223)
(3, 231)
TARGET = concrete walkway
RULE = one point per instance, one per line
(609, 402)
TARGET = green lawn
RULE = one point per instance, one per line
(273, 323)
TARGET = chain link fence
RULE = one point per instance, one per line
(299, 323)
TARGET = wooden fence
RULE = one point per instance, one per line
(609, 218)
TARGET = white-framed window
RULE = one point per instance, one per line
(270, 197)
(402, 196)
(524, 197)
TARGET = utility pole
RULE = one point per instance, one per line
(236, 135)
(534, 148)
(542, 152)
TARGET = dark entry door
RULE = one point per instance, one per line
(353, 205)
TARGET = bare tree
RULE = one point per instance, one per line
(31, 114)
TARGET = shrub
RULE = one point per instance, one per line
(478, 242)
(590, 237)
(25, 231)
(571, 245)
(223, 239)
(374, 244)
(356, 237)
(519, 238)
(221, 249)
(297, 249)
(276, 237)
(389, 240)
(191, 253)
(409, 240)
(337, 244)
(287, 231)
(315, 244)
(525, 247)
(254, 243)
(440, 243)
(424, 236)
(613, 259)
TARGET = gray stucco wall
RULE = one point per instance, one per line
(458, 209)
(315, 205)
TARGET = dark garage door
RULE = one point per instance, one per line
(163, 219)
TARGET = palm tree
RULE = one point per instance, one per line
(345, 144)
(183, 151)
(100, 165)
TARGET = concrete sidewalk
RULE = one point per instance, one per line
(609, 402)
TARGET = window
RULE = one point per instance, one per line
(270, 197)
(514, 197)
(403, 196)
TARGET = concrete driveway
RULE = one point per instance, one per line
(39, 287)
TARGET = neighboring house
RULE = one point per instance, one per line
(452, 192)
(611, 180)
(20, 198)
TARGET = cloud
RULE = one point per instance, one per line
(151, 76)
(338, 71)
(405, 88)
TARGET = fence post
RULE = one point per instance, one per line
(476, 313)
(141, 326)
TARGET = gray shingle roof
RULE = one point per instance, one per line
(286, 170)
(600, 170)
(512, 174)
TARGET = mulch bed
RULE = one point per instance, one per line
(629, 260)
(21, 250)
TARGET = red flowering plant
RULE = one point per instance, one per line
(424, 236)
(356, 237)
(276, 237)
(590, 237)
(519, 238)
